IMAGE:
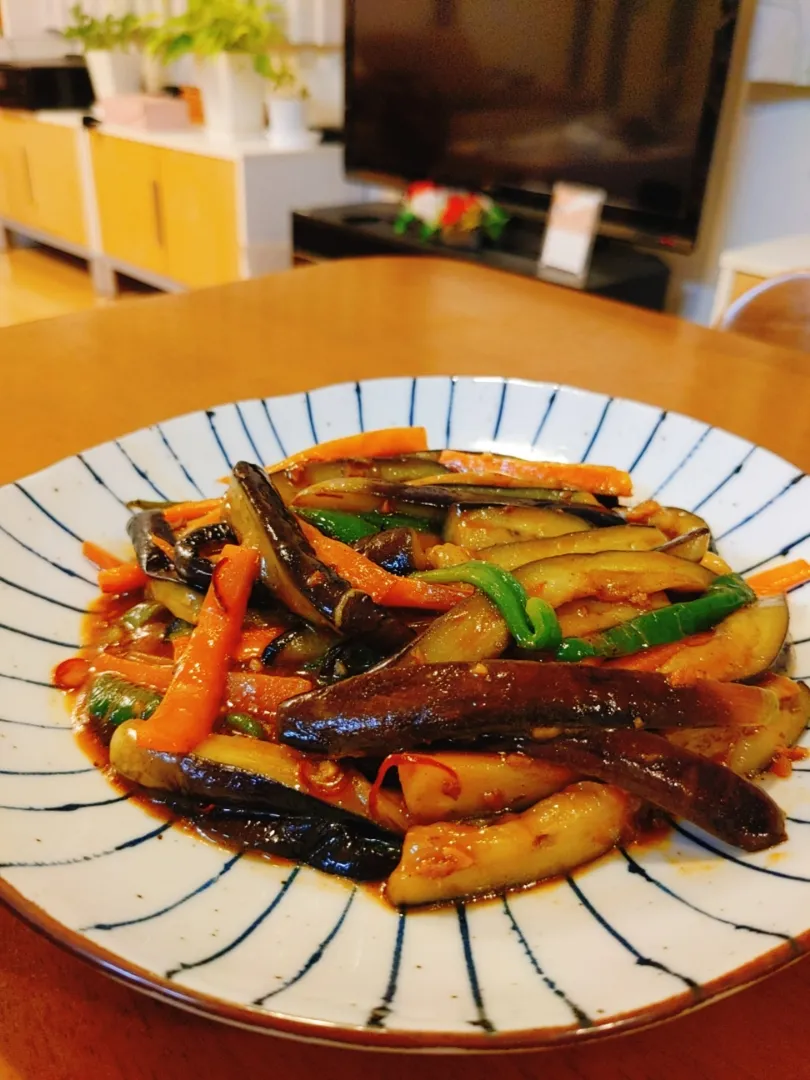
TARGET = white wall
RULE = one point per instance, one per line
(770, 196)
(310, 20)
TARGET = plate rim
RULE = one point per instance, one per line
(360, 1037)
(329, 1033)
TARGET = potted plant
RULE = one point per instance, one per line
(230, 41)
(111, 48)
(286, 107)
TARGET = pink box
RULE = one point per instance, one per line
(148, 113)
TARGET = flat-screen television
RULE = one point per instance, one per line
(509, 96)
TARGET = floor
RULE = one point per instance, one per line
(39, 283)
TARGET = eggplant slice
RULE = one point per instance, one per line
(327, 839)
(143, 528)
(676, 780)
(401, 708)
(292, 571)
(400, 551)
(438, 496)
(193, 567)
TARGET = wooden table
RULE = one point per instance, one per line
(68, 383)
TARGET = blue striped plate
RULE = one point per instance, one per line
(640, 936)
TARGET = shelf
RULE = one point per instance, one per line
(307, 46)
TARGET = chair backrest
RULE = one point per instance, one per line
(777, 312)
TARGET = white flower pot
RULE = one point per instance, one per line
(114, 73)
(233, 95)
(288, 126)
(157, 75)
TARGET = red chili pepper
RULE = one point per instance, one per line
(71, 674)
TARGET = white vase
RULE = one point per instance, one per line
(233, 95)
(288, 127)
(114, 72)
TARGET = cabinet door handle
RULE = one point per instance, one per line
(29, 180)
(158, 207)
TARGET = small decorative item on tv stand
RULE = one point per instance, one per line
(455, 218)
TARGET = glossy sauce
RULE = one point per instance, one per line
(99, 633)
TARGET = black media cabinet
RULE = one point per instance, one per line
(618, 270)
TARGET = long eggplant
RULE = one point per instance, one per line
(254, 773)
(475, 629)
(518, 553)
(743, 645)
(676, 523)
(192, 566)
(291, 570)
(143, 528)
(479, 529)
(401, 708)
(398, 469)
(678, 781)
(448, 860)
(749, 750)
(438, 497)
(326, 840)
(399, 551)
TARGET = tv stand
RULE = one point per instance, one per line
(618, 270)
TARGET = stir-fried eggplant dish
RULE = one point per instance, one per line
(453, 672)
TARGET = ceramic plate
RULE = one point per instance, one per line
(640, 936)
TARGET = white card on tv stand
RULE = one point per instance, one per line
(572, 225)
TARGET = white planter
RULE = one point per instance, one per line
(157, 75)
(233, 95)
(288, 126)
(114, 73)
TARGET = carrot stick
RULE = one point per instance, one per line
(642, 513)
(193, 701)
(655, 657)
(472, 480)
(388, 442)
(164, 546)
(104, 560)
(255, 640)
(257, 694)
(382, 587)
(598, 479)
(261, 695)
(648, 659)
(123, 578)
(213, 518)
(780, 578)
(181, 513)
(158, 676)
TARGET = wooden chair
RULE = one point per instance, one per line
(776, 312)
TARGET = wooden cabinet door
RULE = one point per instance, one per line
(52, 155)
(130, 206)
(5, 166)
(17, 184)
(199, 200)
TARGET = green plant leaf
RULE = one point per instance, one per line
(109, 33)
(210, 27)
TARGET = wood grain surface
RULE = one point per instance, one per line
(72, 382)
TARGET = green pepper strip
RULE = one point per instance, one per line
(383, 521)
(664, 626)
(113, 700)
(532, 622)
(348, 528)
(245, 724)
(140, 614)
(338, 525)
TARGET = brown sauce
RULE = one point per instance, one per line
(98, 627)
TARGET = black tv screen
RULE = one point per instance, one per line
(509, 96)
